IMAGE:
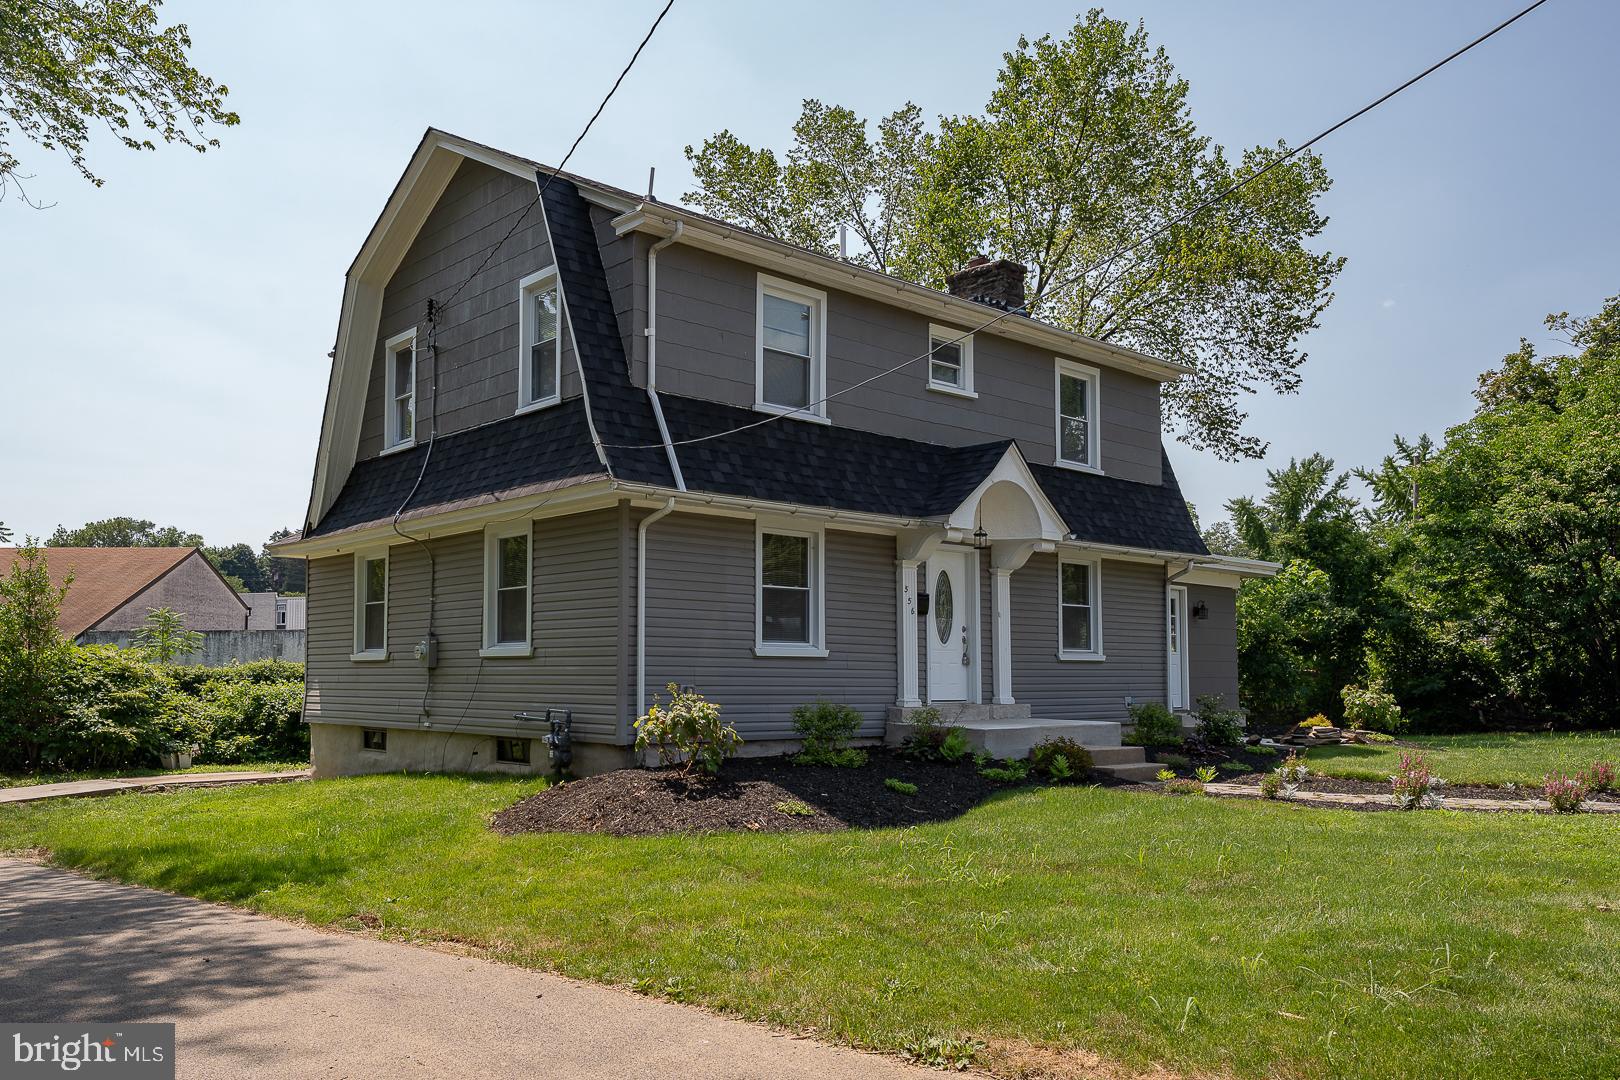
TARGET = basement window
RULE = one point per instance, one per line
(374, 739)
(399, 377)
(512, 751)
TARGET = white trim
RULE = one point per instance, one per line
(1013, 469)
(906, 621)
(1171, 593)
(392, 440)
(358, 628)
(972, 615)
(1094, 594)
(947, 335)
(493, 535)
(1061, 369)
(528, 286)
(817, 645)
(816, 300)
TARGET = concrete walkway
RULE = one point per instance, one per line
(72, 788)
(1336, 798)
(255, 997)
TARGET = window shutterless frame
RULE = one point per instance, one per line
(790, 349)
(371, 572)
(1079, 607)
(540, 323)
(950, 361)
(789, 593)
(1077, 405)
(399, 391)
(508, 589)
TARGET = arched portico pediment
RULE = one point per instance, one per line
(1008, 504)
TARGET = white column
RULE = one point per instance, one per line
(906, 622)
(1001, 633)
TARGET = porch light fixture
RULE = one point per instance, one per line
(1200, 610)
(981, 539)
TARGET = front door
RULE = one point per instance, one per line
(1176, 645)
(950, 639)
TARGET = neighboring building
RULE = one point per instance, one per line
(634, 479)
(114, 589)
(272, 611)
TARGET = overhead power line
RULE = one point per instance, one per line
(1081, 275)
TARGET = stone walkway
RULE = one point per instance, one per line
(1335, 798)
(73, 788)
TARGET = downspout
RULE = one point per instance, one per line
(641, 602)
(651, 333)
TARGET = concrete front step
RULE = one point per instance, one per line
(1138, 771)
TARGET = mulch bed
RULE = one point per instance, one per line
(744, 798)
(1340, 786)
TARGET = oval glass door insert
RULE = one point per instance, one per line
(943, 612)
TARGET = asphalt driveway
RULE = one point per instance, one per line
(255, 997)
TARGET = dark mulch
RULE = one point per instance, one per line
(1338, 785)
(1200, 753)
(744, 797)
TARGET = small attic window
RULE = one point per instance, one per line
(399, 378)
(539, 340)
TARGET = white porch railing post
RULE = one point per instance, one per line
(1001, 633)
(906, 621)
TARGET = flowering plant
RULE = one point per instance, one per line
(1600, 777)
(1414, 785)
(1565, 793)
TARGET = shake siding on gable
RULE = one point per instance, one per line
(700, 626)
(706, 326)
(576, 607)
(478, 332)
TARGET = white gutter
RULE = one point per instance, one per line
(641, 603)
(651, 333)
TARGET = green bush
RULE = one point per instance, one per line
(1218, 725)
(1153, 724)
(690, 729)
(1372, 708)
(1076, 759)
(826, 729)
(900, 787)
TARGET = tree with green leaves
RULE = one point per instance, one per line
(1085, 148)
(284, 575)
(69, 65)
(240, 564)
(124, 532)
(34, 654)
(163, 636)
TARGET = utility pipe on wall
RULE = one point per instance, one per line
(641, 602)
(651, 334)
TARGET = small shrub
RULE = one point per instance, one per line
(1377, 737)
(1183, 787)
(1271, 785)
(900, 787)
(1008, 772)
(1263, 751)
(1319, 720)
(1372, 708)
(1153, 724)
(1218, 725)
(1599, 778)
(1076, 759)
(1414, 786)
(1176, 761)
(795, 808)
(1205, 774)
(1565, 793)
(955, 747)
(826, 729)
(1290, 774)
(1164, 776)
(931, 739)
(1234, 766)
(689, 728)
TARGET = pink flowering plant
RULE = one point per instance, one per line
(1414, 785)
(1565, 793)
(1599, 778)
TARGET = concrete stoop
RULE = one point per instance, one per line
(1009, 731)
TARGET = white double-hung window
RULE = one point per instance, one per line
(399, 390)
(950, 361)
(789, 592)
(539, 340)
(790, 373)
(508, 613)
(1077, 427)
(1079, 608)
(371, 605)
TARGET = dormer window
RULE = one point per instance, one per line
(540, 340)
(950, 361)
(399, 360)
(790, 349)
(1077, 434)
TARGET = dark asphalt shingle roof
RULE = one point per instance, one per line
(1108, 510)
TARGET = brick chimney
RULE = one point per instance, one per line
(997, 282)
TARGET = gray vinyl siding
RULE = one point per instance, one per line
(1212, 664)
(1133, 638)
(624, 261)
(576, 661)
(706, 350)
(477, 333)
(700, 625)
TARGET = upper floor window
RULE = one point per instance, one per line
(540, 338)
(507, 610)
(790, 593)
(790, 349)
(399, 358)
(371, 605)
(1077, 427)
(1079, 613)
(950, 361)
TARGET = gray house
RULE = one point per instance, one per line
(633, 445)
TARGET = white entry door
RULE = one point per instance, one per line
(950, 633)
(1176, 645)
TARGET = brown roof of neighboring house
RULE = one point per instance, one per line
(104, 578)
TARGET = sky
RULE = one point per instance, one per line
(165, 336)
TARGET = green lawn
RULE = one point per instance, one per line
(1270, 940)
(27, 779)
(1518, 758)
